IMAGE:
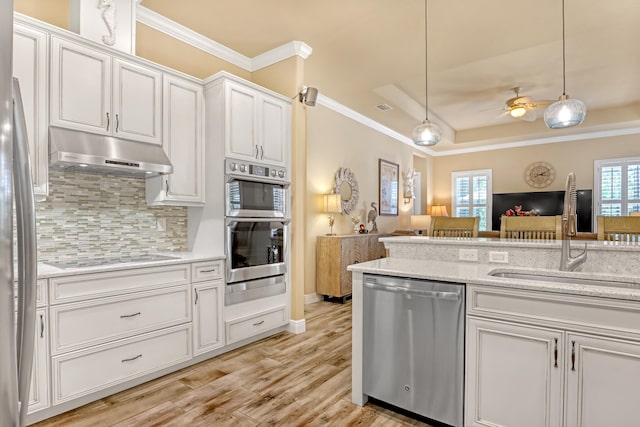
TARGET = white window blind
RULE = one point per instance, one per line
(471, 195)
(617, 186)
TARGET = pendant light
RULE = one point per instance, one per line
(565, 112)
(426, 133)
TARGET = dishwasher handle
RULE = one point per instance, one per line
(455, 296)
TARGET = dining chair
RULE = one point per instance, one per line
(546, 227)
(619, 228)
(445, 226)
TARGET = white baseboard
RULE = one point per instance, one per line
(311, 298)
(297, 326)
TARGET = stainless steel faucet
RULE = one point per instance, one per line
(569, 227)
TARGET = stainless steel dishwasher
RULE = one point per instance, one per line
(413, 345)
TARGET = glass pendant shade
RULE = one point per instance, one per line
(426, 134)
(565, 113)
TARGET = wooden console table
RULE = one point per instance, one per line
(335, 253)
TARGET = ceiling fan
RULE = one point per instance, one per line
(524, 107)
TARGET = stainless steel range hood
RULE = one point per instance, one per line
(76, 151)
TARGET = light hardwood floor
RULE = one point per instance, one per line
(284, 380)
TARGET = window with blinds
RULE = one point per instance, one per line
(617, 186)
(471, 195)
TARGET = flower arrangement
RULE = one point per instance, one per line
(517, 211)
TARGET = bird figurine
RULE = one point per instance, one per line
(371, 218)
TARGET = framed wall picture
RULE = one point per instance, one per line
(388, 184)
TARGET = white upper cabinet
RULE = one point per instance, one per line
(257, 124)
(30, 62)
(183, 143)
(95, 92)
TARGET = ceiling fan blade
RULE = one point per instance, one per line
(529, 116)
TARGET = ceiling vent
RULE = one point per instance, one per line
(384, 107)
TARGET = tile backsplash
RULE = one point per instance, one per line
(88, 216)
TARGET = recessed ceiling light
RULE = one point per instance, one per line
(384, 107)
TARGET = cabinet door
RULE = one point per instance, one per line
(602, 382)
(39, 393)
(182, 141)
(207, 316)
(80, 87)
(513, 378)
(274, 130)
(240, 122)
(354, 250)
(137, 102)
(30, 61)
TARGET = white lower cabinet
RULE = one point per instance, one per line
(602, 382)
(514, 375)
(208, 299)
(39, 392)
(581, 368)
(82, 372)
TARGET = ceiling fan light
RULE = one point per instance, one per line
(565, 113)
(426, 134)
(518, 112)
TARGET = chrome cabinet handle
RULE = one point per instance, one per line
(117, 122)
(196, 291)
(131, 358)
(256, 152)
(125, 316)
(258, 323)
(555, 353)
(166, 182)
(213, 270)
(573, 355)
(108, 121)
(41, 326)
(261, 152)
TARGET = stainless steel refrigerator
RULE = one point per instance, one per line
(17, 308)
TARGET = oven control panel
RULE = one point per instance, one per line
(243, 168)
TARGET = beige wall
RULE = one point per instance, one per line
(334, 142)
(509, 165)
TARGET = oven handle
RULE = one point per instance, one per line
(252, 178)
(229, 220)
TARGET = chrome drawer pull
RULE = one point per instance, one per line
(41, 326)
(213, 270)
(124, 316)
(258, 323)
(132, 358)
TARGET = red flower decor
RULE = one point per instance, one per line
(517, 211)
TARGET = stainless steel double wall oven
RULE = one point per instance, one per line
(257, 219)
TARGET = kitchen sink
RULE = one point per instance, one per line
(559, 278)
(94, 262)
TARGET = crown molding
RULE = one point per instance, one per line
(180, 32)
(339, 108)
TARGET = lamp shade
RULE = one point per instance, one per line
(420, 222)
(439, 210)
(426, 134)
(565, 113)
(332, 203)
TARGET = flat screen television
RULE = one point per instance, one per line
(545, 203)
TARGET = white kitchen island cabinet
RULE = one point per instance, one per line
(522, 374)
(95, 92)
(183, 142)
(256, 122)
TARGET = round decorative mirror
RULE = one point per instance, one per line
(346, 185)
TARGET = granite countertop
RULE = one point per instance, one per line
(48, 270)
(474, 273)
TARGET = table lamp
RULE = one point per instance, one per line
(332, 204)
(439, 210)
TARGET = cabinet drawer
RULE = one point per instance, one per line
(576, 312)
(85, 286)
(246, 327)
(79, 373)
(79, 325)
(208, 270)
